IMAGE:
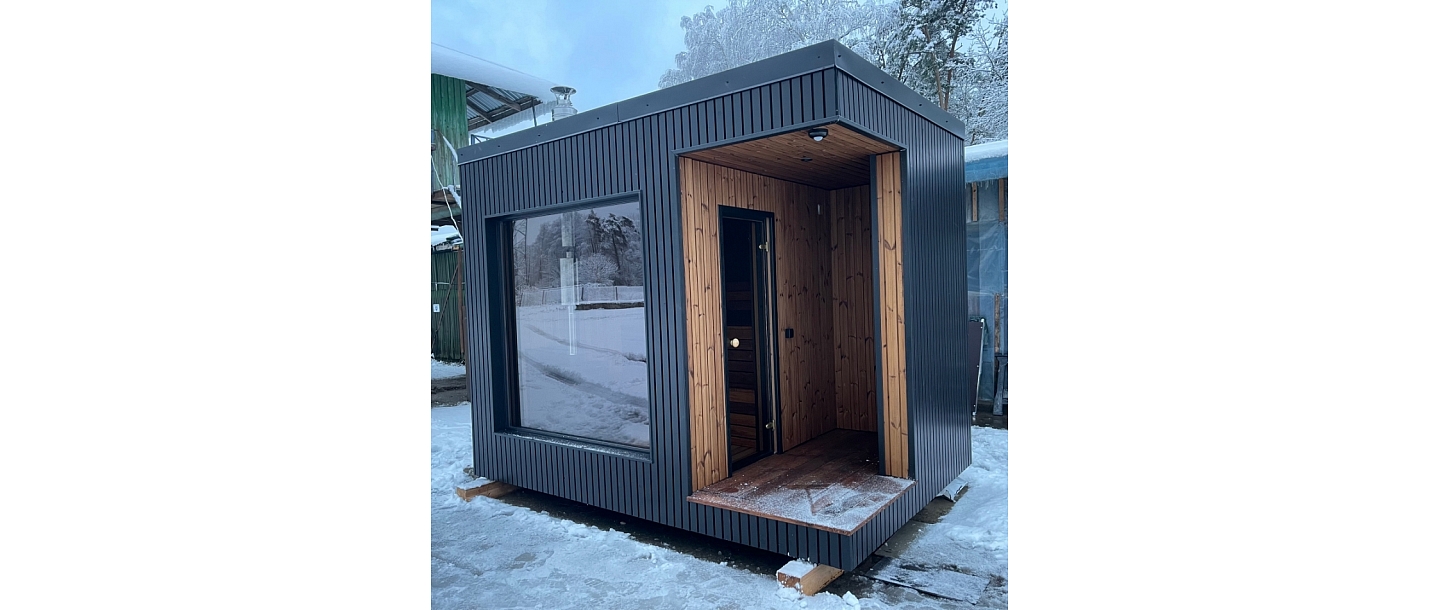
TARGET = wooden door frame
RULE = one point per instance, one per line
(767, 357)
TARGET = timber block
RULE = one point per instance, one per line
(809, 578)
(483, 487)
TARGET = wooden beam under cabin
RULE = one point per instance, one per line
(489, 489)
(808, 578)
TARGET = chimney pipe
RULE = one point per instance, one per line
(563, 107)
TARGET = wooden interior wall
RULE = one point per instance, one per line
(895, 418)
(852, 287)
(802, 283)
(704, 324)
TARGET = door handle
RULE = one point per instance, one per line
(734, 343)
(770, 425)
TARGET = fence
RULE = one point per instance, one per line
(589, 293)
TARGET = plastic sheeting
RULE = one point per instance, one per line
(987, 261)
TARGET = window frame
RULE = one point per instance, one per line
(502, 286)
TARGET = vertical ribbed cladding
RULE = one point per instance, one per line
(935, 303)
(630, 156)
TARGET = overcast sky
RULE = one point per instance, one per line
(607, 51)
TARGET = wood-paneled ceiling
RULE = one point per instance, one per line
(841, 160)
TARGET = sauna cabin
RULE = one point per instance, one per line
(735, 306)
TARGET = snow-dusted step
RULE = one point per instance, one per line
(935, 580)
(828, 483)
(483, 487)
(807, 577)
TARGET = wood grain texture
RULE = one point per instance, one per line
(830, 483)
(808, 578)
(853, 304)
(802, 295)
(709, 459)
(841, 160)
(489, 489)
(802, 253)
(895, 417)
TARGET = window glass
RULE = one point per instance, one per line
(579, 311)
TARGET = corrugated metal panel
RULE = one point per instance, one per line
(935, 299)
(597, 154)
(447, 115)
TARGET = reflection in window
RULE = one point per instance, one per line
(579, 299)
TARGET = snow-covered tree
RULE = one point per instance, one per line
(596, 268)
(944, 49)
(746, 31)
(987, 98)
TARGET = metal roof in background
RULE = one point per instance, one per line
(492, 91)
(486, 105)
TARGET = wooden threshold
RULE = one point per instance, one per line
(830, 483)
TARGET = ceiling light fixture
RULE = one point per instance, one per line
(819, 133)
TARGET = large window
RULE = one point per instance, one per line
(578, 302)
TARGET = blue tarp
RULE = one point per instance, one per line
(987, 253)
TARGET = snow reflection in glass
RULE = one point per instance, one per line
(580, 324)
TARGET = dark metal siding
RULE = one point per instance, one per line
(933, 209)
(634, 156)
(629, 148)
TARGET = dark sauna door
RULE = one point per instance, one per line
(746, 272)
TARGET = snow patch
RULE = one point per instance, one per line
(456, 63)
(445, 370)
(438, 236)
(489, 554)
(988, 150)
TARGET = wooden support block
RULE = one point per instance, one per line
(489, 489)
(807, 577)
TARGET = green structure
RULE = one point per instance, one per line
(447, 120)
(467, 93)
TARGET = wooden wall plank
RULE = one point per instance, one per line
(853, 308)
(802, 253)
(709, 458)
(892, 314)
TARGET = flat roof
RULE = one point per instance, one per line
(819, 56)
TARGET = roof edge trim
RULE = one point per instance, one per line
(805, 60)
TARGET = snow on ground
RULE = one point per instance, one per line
(974, 537)
(445, 370)
(597, 392)
(490, 554)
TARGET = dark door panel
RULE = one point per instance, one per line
(748, 287)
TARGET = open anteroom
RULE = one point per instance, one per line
(794, 319)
